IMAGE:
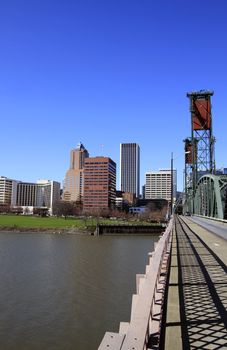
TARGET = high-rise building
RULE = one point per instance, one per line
(158, 184)
(49, 193)
(8, 190)
(43, 193)
(99, 183)
(74, 179)
(27, 194)
(130, 168)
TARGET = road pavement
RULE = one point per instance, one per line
(219, 228)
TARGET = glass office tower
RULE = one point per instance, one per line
(130, 168)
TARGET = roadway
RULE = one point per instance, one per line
(217, 227)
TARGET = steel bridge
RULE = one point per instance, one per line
(210, 198)
(181, 300)
(205, 187)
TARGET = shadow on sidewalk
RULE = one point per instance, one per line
(202, 293)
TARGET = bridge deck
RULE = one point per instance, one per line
(197, 295)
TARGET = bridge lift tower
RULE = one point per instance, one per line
(199, 148)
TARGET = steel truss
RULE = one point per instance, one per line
(210, 197)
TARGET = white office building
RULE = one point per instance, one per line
(8, 191)
(158, 184)
(43, 193)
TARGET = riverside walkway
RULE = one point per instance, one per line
(190, 311)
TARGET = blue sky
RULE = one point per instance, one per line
(104, 72)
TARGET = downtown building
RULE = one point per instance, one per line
(99, 184)
(130, 168)
(8, 191)
(42, 194)
(74, 178)
(158, 184)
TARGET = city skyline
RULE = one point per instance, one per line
(106, 73)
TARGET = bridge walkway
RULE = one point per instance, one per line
(197, 295)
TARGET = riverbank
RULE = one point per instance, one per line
(62, 231)
(35, 224)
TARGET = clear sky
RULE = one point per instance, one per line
(104, 72)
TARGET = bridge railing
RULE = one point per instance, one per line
(143, 330)
(210, 218)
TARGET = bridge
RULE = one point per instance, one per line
(211, 196)
(205, 186)
(181, 299)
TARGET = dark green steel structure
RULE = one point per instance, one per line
(205, 192)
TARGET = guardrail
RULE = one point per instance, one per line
(143, 330)
(210, 218)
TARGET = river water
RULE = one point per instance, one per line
(62, 292)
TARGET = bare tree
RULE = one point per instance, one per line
(41, 211)
(63, 208)
(16, 210)
(4, 208)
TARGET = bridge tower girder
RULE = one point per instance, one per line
(199, 148)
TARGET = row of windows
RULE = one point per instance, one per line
(157, 188)
(96, 184)
(87, 190)
(99, 203)
(96, 205)
(95, 198)
(98, 194)
(158, 192)
(154, 177)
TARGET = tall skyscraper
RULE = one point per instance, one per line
(99, 183)
(74, 179)
(130, 168)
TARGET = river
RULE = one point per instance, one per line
(62, 292)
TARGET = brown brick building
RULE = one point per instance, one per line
(99, 183)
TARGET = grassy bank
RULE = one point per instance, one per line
(34, 222)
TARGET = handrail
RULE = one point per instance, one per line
(146, 311)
